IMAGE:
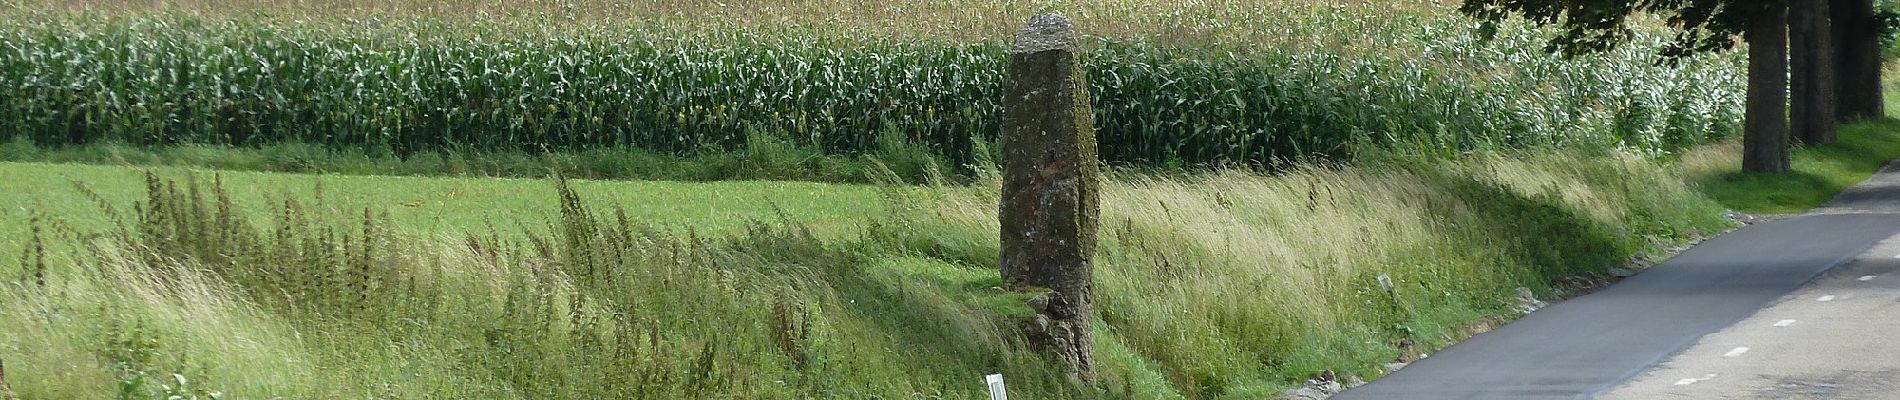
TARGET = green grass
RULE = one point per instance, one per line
(763, 158)
(1819, 172)
(1275, 277)
(1228, 285)
(432, 206)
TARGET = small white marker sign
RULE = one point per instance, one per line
(996, 387)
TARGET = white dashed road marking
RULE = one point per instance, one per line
(1737, 352)
(1826, 298)
(1784, 322)
(1686, 381)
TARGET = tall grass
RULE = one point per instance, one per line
(1215, 91)
(592, 305)
(1230, 285)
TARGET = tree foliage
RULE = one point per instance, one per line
(1589, 26)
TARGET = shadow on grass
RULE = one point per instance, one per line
(935, 328)
(918, 317)
(1819, 172)
(1537, 232)
(1779, 193)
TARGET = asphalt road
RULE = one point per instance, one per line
(1830, 340)
(1588, 345)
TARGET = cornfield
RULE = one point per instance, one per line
(417, 84)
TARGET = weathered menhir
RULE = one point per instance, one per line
(1049, 202)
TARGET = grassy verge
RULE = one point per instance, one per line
(1230, 285)
(1819, 171)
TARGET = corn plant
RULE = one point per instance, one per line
(409, 85)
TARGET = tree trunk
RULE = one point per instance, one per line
(1765, 127)
(1857, 61)
(1811, 51)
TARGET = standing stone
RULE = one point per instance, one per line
(1049, 200)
